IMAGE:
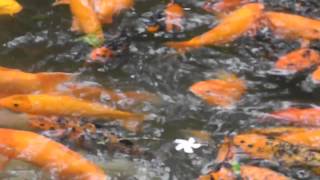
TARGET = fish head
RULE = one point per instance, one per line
(10, 7)
(17, 103)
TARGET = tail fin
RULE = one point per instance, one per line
(180, 46)
(51, 80)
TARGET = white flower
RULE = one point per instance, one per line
(186, 145)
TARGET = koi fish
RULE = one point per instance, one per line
(230, 28)
(103, 9)
(106, 9)
(96, 93)
(9, 7)
(13, 81)
(291, 26)
(219, 92)
(315, 76)
(308, 116)
(59, 160)
(174, 16)
(298, 136)
(101, 52)
(226, 151)
(85, 18)
(246, 172)
(222, 174)
(298, 60)
(270, 148)
(51, 105)
(223, 5)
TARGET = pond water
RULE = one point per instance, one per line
(39, 39)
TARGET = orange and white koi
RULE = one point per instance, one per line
(221, 92)
(51, 105)
(292, 26)
(230, 28)
(298, 60)
(54, 157)
(174, 17)
(13, 81)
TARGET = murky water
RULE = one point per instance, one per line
(39, 39)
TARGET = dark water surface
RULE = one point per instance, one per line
(39, 39)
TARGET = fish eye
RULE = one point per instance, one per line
(16, 105)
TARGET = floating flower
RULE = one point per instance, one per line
(187, 145)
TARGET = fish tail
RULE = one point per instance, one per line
(51, 80)
(180, 46)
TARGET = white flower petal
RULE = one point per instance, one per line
(196, 146)
(180, 141)
(188, 150)
(179, 147)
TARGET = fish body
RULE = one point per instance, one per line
(219, 92)
(106, 9)
(246, 172)
(270, 148)
(174, 16)
(230, 28)
(85, 18)
(292, 26)
(54, 157)
(51, 105)
(307, 116)
(9, 7)
(13, 81)
(309, 137)
(298, 60)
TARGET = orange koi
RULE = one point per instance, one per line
(95, 93)
(101, 52)
(13, 81)
(222, 174)
(226, 151)
(174, 16)
(269, 148)
(298, 60)
(223, 5)
(51, 105)
(85, 18)
(315, 76)
(106, 9)
(294, 27)
(298, 136)
(246, 172)
(308, 116)
(230, 28)
(219, 92)
(59, 160)
(10, 7)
